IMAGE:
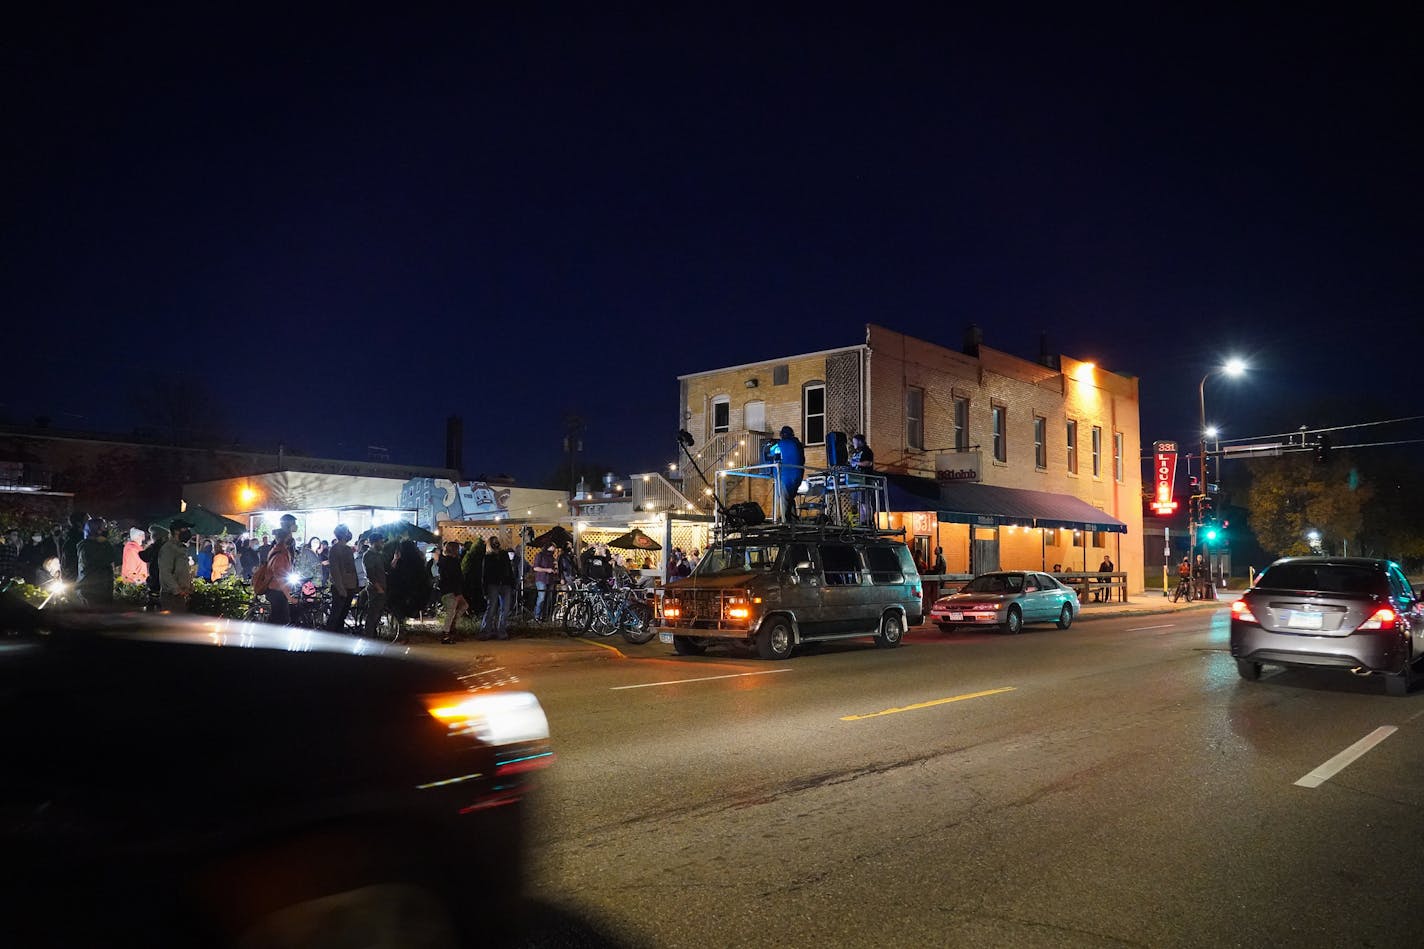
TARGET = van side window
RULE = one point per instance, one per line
(796, 553)
(884, 565)
(841, 564)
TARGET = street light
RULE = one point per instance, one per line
(1232, 367)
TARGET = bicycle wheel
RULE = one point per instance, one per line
(637, 625)
(578, 617)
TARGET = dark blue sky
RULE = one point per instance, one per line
(336, 230)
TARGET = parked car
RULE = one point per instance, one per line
(781, 586)
(220, 783)
(1350, 613)
(1007, 599)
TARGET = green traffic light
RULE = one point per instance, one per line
(1210, 536)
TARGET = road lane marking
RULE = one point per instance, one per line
(1346, 758)
(1138, 629)
(734, 675)
(931, 704)
(614, 649)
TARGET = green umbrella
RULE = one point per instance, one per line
(403, 530)
(204, 521)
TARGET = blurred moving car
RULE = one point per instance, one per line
(1007, 599)
(222, 783)
(1352, 613)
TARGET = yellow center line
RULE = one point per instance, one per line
(930, 704)
(614, 649)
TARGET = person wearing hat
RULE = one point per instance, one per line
(95, 558)
(175, 570)
(134, 570)
(788, 451)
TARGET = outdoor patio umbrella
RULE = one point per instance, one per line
(403, 530)
(204, 522)
(555, 535)
(635, 539)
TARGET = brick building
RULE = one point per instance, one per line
(1001, 461)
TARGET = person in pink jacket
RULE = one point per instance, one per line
(133, 569)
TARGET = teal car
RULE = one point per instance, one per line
(1007, 599)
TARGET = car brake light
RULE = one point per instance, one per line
(1239, 610)
(495, 718)
(1383, 618)
(671, 611)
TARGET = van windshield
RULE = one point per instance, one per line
(737, 559)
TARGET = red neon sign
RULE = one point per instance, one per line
(1166, 478)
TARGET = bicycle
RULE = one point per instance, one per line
(605, 611)
(1185, 588)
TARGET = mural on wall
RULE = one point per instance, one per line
(436, 499)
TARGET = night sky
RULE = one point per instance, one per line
(334, 230)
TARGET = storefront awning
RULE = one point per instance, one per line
(991, 505)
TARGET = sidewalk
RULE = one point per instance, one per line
(1149, 602)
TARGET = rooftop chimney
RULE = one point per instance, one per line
(973, 339)
(1045, 356)
(455, 443)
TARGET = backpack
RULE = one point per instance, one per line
(262, 578)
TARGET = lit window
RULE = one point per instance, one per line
(1097, 451)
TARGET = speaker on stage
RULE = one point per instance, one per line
(837, 455)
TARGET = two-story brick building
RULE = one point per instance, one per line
(1001, 461)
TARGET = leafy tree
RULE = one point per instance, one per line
(1294, 494)
(1393, 515)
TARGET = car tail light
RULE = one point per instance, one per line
(1239, 610)
(671, 611)
(495, 718)
(1383, 618)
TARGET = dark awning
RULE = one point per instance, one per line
(991, 506)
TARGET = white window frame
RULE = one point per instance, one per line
(1040, 442)
(961, 423)
(719, 400)
(1117, 456)
(806, 415)
(1000, 416)
(914, 423)
(1097, 451)
(1071, 432)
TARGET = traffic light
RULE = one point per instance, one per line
(1207, 509)
(1322, 447)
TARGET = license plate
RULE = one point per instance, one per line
(1304, 619)
(956, 616)
(665, 637)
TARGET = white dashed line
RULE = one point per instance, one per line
(1138, 629)
(1346, 758)
(734, 675)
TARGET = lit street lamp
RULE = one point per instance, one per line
(1232, 367)
(1313, 537)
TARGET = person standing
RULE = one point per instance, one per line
(452, 589)
(374, 560)
(1106, 567)
(546, 576)
(132, 568)
(309, 560)
(247, 559)
(408, 583)
(280, 560)
(175, 570)
(791, 456)
(222, 561)
(10, 548)
(472, 569)
(499, 592)
(69, 547)
(344, 582)
(95, 558)
(862, 459)
(157, 534)
(205, 562)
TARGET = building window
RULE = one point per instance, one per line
(1097, 451)
(1072, 435)
(915, 418)
(1117, 455)
(1040, 444)
(1001, 434)
(780, 375)
(961, 424)
(813, 413)
(721, 414)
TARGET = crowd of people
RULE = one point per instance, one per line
(477, 578)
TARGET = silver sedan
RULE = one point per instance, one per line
(1007, 599)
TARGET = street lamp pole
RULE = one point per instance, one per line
(1232, 367)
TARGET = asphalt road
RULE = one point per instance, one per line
(1113, 784)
